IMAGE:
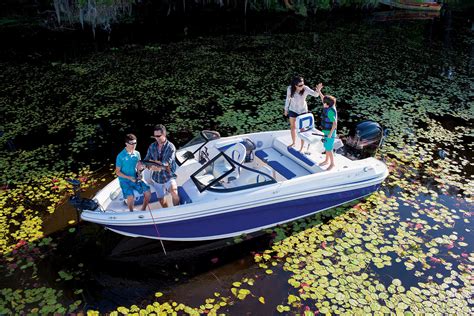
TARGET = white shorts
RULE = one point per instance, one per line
(164, 188)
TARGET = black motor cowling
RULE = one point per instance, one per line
(79, 203)
(83, 204)
(364, 140)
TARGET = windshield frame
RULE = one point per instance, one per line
(210, 186)
(247, 186)
(201, 186)
(202, 134)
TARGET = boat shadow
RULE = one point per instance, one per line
(205, 255)
(120, 269)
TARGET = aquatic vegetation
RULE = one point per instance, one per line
(404, 249)
(336, 267)
(23, 206)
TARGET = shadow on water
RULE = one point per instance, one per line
(115, 270)
(120, 270)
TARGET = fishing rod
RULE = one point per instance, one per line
(148, 164)
(156, 228)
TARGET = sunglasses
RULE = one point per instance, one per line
(132, 143)
(300, 85)
(157, 136)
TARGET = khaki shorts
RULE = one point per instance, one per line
(164, 188)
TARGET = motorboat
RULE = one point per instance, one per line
(413, 5)
(229, 186)
(397, 15)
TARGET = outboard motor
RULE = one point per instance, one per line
(79, 203)
(249, 148)
(364, 140)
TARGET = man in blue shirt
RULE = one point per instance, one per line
(128, 160)
(163, 152)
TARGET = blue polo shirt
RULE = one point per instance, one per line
(128, 162)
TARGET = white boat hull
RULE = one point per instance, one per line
(302, 189)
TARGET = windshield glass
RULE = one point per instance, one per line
(243, 178)
(210, 135)
(222, 174)
(190, 148)
(215, 170)
(198, 139)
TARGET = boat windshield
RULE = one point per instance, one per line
(212, 172)
(222, 174)
(194, 145)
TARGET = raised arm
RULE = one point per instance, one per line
(319, 89)
(312, 92)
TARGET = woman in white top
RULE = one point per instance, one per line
(295, 103)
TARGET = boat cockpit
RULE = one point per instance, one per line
(196, 146)
(224, 174)
(209, 164)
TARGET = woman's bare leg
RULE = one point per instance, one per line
(293, 131)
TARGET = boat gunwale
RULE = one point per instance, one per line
(185, 214)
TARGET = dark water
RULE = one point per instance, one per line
(412, 75)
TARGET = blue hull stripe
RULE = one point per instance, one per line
(248, 219)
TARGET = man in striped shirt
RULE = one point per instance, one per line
(163, 153)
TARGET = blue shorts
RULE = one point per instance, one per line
(129, 186)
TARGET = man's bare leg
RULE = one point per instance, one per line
(326, 160)
(302, 144)
(130, 202)
(331, 159)
(163, 202)
(146, 199)
(174, 195)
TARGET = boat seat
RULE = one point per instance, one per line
(183, 196)
(307, 132)
(307, 161)
(249, 177)
(237, 153)
(281, 164)
(223, 145)
(139, 198)
(266, 170)
(147, 176)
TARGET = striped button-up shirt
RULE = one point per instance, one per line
(165, 155)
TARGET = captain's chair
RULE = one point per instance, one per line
(306, 131)
(237, 153)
